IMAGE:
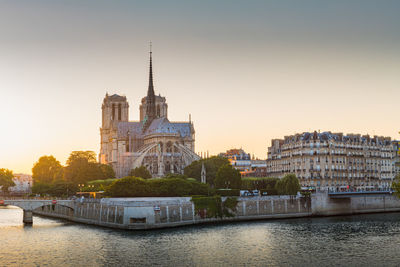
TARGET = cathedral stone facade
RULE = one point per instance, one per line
(154, 142)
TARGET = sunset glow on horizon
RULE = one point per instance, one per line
(244, 72)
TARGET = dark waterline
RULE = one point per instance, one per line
(372, 240)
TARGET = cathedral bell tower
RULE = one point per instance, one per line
(115, 108)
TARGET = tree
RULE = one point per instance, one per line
(211, 164)
(47, 170)
(288, 185)
(82, 167)
(40, 188)
(62, 188)
(396, 185)
(292, 184)
(141, 172)
(6, 180)
(228, 177)
(107, 171)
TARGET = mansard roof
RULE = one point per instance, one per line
(325, 136)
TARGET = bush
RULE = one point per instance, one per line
(128, 187)
(270, 192)
(227, 192)
(264, 183)
(171, 187)
(141, 172)
(99, 185)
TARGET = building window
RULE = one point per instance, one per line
(113, 112)
(119, 111)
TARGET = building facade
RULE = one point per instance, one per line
(23, 183)
(334, 161)
(242, 161)
(154, 142)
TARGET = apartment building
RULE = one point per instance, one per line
(334, 160)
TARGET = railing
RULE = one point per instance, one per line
(386, 190)
(30, 198)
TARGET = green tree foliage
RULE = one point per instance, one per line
(172, 187)
(262, 183)
(100, 185)
(82, 167)
(6, 180)
(178, 175)
(40, 188)
(47, 170)
(141, 172)
(59, 188)
(106, 171)
(214, 206)
(288, 185)
(211, 164)
(396, 185)
(228, 177)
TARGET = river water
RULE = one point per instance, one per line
(362, 240)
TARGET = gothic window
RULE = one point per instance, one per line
(169, 147)
(113, 112)
(119, 111)
(167, 167)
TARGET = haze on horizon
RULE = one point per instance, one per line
(247, 72)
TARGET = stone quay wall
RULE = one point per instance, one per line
(147, 213)
(323, 205)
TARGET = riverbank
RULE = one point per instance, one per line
(153, 213)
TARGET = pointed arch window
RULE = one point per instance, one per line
(113, 112)
(119, 111)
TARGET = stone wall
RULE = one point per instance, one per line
(323, 205)
(143, 213)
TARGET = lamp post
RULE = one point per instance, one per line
(80, 187)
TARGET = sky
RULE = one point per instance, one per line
(246, 71)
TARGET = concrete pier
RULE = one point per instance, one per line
(27, 219)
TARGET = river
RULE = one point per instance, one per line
(361, 240)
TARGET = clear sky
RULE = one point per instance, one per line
(247, 71)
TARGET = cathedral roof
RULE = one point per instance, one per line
(163, 125)
(157, 126)
(134, 128)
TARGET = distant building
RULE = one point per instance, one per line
(334, 160)
(155, 142)
(23, 183)
(239, 159)
(242, 162)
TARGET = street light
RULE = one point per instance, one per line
(80, 187)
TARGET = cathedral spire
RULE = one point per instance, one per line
(151, 98)
(150, 91)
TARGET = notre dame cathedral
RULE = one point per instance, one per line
(154, 142)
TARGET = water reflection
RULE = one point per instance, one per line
(333, 241)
